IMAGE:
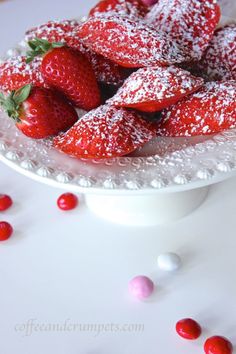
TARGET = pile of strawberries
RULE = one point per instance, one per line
(126, 66)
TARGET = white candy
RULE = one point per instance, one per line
(169, 261)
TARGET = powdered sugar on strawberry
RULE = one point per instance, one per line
(15, 73)
(219, 60)
(106, 132)
(66, 32)
(208, 111)
(132, 8)
(157, 86)
(129, 42)
(189, 22)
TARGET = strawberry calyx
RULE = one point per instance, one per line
(12, 103)
(40, 47)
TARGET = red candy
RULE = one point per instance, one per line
(6, 230)
(128, 42)
(5, 202)
(67, 201)
(105, 132)
(218, 345)
(219, 60)
(155, 88)
(188, 329)
(191, 23)
(208, 111)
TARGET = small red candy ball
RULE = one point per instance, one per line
(218, 345)
(5, 202)
(67, 201)
(188, 329)
(6, 230)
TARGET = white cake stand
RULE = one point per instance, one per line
(165, 181)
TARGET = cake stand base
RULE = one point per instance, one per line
(146, 209)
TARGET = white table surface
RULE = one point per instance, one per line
(74, 268)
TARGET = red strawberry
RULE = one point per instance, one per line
(105, 70)
(39, 112)
(68, 71)
(154, 88)
(15, 73)
(54, 31)
(208, 111)
(189, 22)
(105, 132)
(135, 8)
(219, 60)
(128, 42)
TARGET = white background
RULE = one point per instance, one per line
(72, 266)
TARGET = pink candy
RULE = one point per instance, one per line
(149, 2)
(141, 287)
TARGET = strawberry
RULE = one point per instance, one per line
(39, 112)
(219, 60)
(208, 111)
(15, 73)
(191, 23)
(128, 42)
(68, 71)
(154, 88)
(135, 8)
(106, 71)
(105, 132)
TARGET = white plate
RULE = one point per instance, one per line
(164, 165)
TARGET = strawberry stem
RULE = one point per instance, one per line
(12, 103)
(40, 47)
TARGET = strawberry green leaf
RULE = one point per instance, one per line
(22, 94)
(11, 104)
(39, 47)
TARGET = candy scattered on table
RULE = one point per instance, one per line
(141, 287)
(5, 202)
(218, 345)
(169, 261)
(6, 230)
(67, 201)
(189, 329)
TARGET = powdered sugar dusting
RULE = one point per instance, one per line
(161, 85)
(66, 32)
(133, 8)
(15, 73)
(210, 110)
(189, 22)
(219, 60)
(106, 132)
(129, 42)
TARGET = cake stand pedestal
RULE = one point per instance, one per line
(143, 210)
